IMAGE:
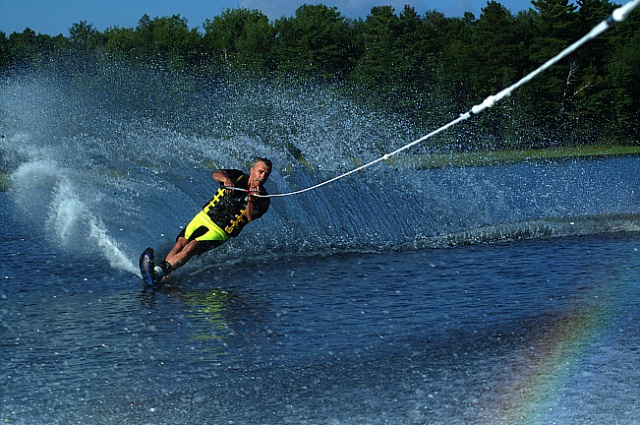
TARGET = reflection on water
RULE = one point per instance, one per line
(216, 310)
(219, 322)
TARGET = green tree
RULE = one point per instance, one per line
(84, 35)
(586, 101)
(168, 38)
(494, 63)
(594, 55)
(496, 52)
(28, 49)
(240, 37)
(4, 51)
(122, 42)
(378, 67)
(554, 28)
(622, 76)
(400, 57)
(316, 42)
(419, 43)
(454, 90)
(84, 48)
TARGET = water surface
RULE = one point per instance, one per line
(482, 295)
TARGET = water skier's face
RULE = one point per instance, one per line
(259, 174)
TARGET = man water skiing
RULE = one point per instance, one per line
(224, 216)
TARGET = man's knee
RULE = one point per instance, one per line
(191, 247)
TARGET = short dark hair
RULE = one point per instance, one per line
(266, 161)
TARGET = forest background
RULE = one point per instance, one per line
(428, 68)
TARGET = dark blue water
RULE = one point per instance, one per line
(488, 295)
(475, 334)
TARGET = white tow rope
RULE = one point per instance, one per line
(618, 15)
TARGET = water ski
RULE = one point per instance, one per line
(146, 267)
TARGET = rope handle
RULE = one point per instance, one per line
(255, 193)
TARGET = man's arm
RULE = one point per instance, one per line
(251, 208)
(222, 177)
(256, 207)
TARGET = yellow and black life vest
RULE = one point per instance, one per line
(229, 211)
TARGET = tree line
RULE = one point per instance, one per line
(418, 66)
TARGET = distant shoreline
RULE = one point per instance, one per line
(507, 157)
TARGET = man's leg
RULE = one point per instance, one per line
(181, 252)
(187, 244)
(181, 242)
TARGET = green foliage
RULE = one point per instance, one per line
(495, 50)
(314, 43)
(428, 68)
(554, 28)
(240, 37)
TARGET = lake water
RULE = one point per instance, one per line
(542, 330)
(487, 295)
